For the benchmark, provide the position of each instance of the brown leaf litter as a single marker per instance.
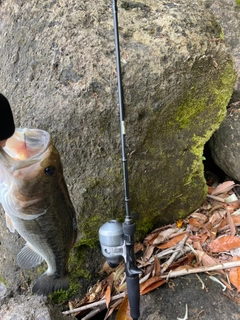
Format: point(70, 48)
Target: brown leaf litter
point(207, 240)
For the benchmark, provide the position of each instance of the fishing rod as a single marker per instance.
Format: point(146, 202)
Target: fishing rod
point(117, 239)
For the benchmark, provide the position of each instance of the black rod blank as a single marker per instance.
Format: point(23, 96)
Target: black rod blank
point(121, 110)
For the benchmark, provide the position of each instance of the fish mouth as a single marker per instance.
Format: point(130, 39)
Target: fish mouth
point(24, 148)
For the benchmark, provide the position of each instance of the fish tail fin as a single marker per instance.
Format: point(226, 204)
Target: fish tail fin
point(47, 284)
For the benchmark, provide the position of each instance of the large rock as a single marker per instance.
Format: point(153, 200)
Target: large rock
point(58, 71)
point(225, 143)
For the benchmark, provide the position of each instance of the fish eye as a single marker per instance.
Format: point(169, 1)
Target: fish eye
point(49, 171)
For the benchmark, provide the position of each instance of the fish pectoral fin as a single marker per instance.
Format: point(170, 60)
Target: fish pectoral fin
point(9, 223)
point(28, 258)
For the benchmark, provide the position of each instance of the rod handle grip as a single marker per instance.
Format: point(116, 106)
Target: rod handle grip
point(133, 295)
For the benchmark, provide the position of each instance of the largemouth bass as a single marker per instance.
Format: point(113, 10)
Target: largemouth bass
point(36, 202)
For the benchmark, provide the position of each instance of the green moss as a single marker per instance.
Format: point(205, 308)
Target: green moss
point(40, 269)
point(222, 97)
point(59, 297)
point(77, 272)
point(143, 227)
point(221, 36)
point(125, 5)
point(189, 110)
point(237, 2)
point(63, 296)
point(3, 280)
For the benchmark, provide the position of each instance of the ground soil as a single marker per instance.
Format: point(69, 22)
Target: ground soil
point(169, 301)
point(203, 304)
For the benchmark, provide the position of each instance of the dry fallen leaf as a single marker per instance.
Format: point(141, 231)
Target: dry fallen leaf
point(205, 259)
point(109, 289)
point(197, 245)
point(183, 263)
point(225, 243)
point(236, 220)
point(231, 224)
point(151, 284)
point(157, 266)
point(218, 213)
point(234, 275)
point(148, 240)
point(199, 216)
point(232, 206)
point(223, 187)
point(113, 308)
point(108, 295)
point(164, 235)
point(203, 238)
point(197, 219)
point(148, 253)
point(124, 310)
point(172, 242)
point(138, 246)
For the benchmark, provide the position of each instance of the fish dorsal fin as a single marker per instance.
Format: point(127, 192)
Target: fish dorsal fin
point(28, 258)
point(9, 223)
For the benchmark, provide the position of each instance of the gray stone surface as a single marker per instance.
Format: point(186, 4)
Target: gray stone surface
point(30, 308)
point(3, 291)
point(227, 12)
point(225, 143)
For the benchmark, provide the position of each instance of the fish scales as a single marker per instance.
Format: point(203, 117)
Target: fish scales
point(35, 198)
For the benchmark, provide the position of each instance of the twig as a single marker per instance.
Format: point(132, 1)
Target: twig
point(227, 285)
point(200, 313)
point(186, 314)
point(203, 284)
point(216, 198)
point(166, 252)
point(173, 256)
point(163, 253)
point(183, 272)
point(168, 276)
point(184, 250)
point(219, 206)
point(145, 278)
point(231, 224)
point(92, 313)
point(218, 281)
point(94, 304)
